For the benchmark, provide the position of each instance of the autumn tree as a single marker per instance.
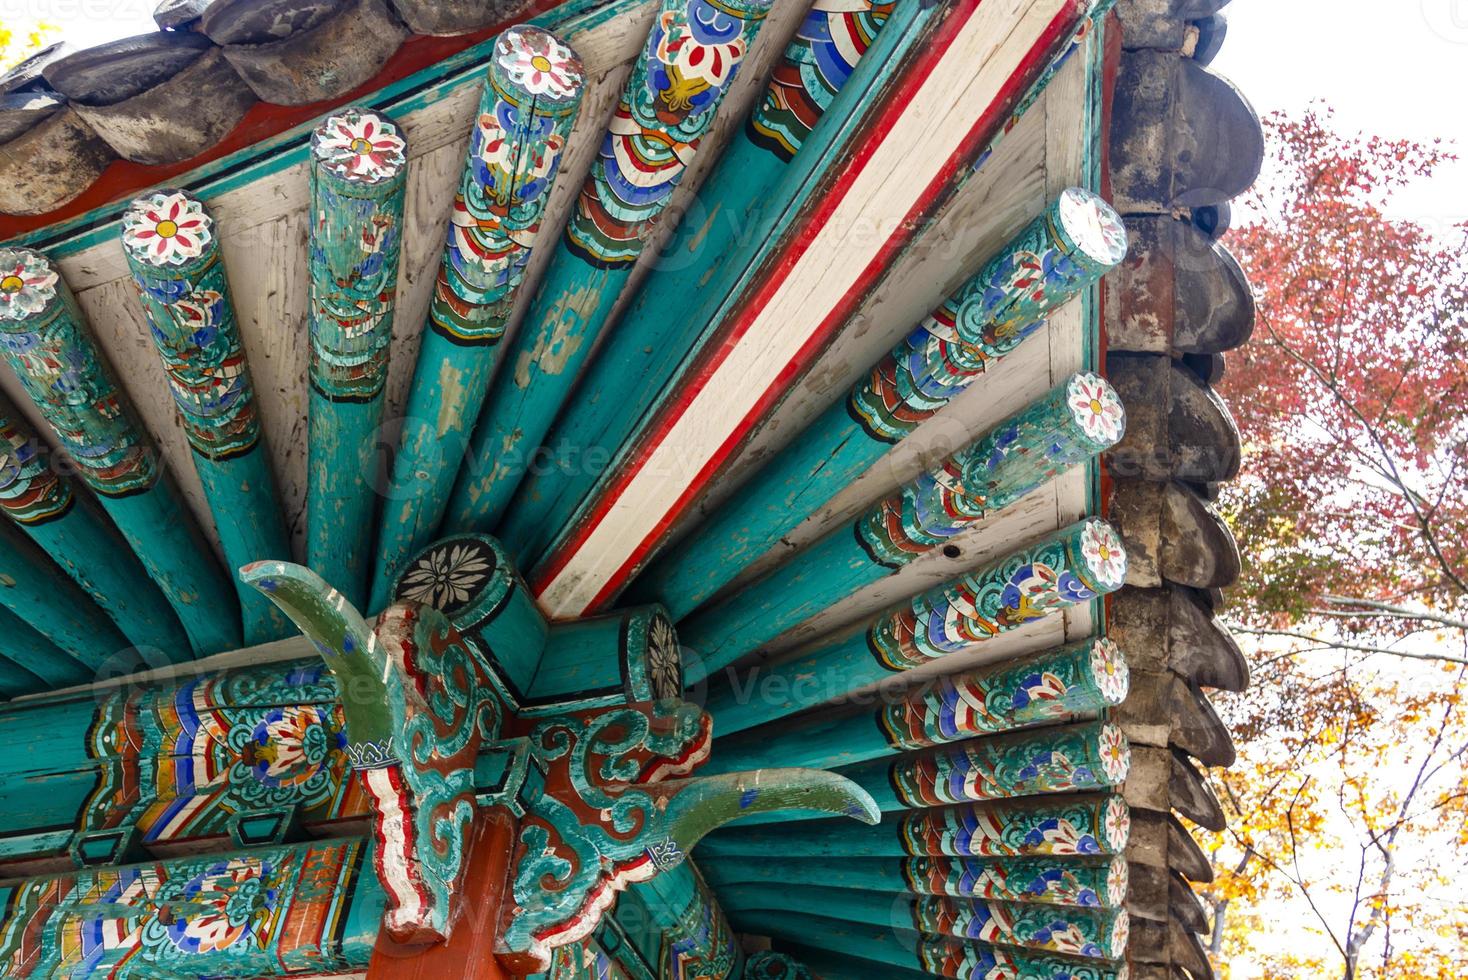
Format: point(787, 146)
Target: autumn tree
point(1351, 798)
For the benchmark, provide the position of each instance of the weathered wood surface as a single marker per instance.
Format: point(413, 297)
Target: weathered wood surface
point(39, 663)
point(40, 593)
point(1053, 686)
point(1067, 568)
point(300, 909)
point(1057, 256)
point(679, 927)
point(1074, 423)
point(654, 136)
point(530, 100)
point(359, 167)
point(1086, 825)
point(1069, 931)
point(67, 524)
point(1066, 881)
point(925, 954)
point(1035, 762)
point(824, 277)
point(54, 355)
point(171, 243)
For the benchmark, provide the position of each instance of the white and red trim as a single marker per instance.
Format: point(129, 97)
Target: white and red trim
point(953, 100)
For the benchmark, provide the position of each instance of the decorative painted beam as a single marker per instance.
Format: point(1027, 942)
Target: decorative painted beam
point(1053, 686)
point(264, 748)
point(623, 657)
point(1066, 826)
point(39, 593)
point(1072, 566)
point(769, 313)
point(1066, 930)
point(1076, 241)
point(418, 706)
point(1079, 419)
point(305, 909)
point(1038, 762)
point(680, 927)
point(172, 247)
point(69, 526)
point(677, 84)
point(933, 955)
point(471, 580)
point(1082, 882)
point(359, 170)
point(611, 815)
point(531, 97)
point(46, 341)
point(543, 669)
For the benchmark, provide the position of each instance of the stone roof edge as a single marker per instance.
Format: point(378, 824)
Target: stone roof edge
point(1182, 143)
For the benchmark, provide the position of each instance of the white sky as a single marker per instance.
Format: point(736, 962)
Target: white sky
point(1396, 68)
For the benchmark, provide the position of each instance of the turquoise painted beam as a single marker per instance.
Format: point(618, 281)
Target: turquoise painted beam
point(1053, 686)
point(1083, 882)
point(42, 595)
point(45, 339)
point(38, 664)
point(679, 925)
point(1072, 566)
point(1075, 422)
point(1060, 826)
point(933, 955)
point(619, 658)
point(531, 97)
point(359, 171)
point(69, 526)
point(644, 352)
point(1035, 762)
point(270, 911)
point(1064, 251)
point(172, 246)
point(690, 60)
point(1065, 930)
point(471, 579)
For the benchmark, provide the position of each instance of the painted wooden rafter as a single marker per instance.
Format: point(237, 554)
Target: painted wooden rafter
point(774, 311)
point(1079, 419)
point(1048, 687)
point(1055, 257)
point(48, 344)
point(172, 247)
point(63, 520)
point(1082, 882)
point(531, 97)
point(1072, 566)
point(359, 169)
point(1095, 934)
point(669, 102)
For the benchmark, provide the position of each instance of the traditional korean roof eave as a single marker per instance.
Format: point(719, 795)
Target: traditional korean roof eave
point(1158, 325)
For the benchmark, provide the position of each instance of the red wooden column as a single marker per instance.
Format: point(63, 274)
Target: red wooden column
point(469, 953)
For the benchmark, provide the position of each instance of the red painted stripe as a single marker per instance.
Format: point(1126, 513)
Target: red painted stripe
point(1057, 32)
